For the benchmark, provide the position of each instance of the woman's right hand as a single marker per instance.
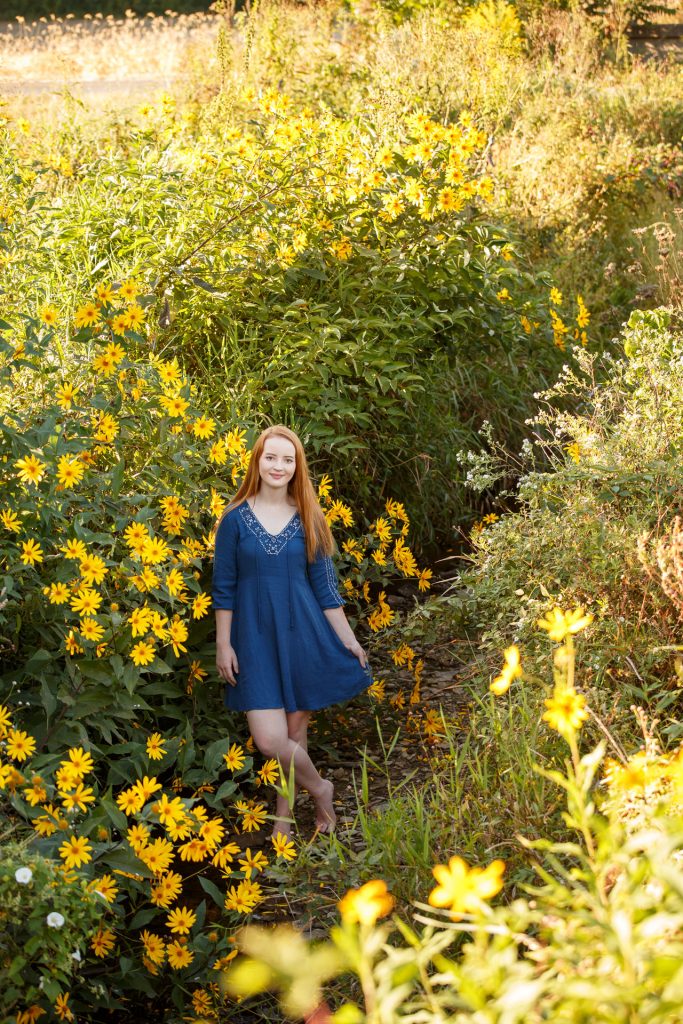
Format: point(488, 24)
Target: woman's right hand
point(226, 663)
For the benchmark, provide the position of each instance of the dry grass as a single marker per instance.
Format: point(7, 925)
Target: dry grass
point(42, 55)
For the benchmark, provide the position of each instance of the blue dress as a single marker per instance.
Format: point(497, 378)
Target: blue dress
point(288, 653)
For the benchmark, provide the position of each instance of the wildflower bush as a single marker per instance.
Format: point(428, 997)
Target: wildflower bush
point(46, 919)
point(115, 750)
point(597, 935)
point(606, 475)
point(343, 272)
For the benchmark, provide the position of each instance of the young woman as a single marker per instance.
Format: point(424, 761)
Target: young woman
point(283, 644)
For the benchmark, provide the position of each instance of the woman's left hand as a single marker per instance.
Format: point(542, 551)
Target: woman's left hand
point(355, 648)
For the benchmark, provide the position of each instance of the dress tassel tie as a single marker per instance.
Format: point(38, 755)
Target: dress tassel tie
point(258, 600)
point(289, 590)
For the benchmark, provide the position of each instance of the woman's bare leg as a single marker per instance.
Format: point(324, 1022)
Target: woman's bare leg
point(297, 730)
point(271, 735)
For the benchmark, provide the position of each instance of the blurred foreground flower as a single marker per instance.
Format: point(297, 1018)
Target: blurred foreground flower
point(559, 624)
point(462, 888)
point(566, 710)
point(367, 904)
point(511, 670)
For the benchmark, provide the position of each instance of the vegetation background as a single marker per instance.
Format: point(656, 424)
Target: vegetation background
point(445, 243)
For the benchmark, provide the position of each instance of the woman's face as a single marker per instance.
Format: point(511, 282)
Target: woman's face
point(277, 464)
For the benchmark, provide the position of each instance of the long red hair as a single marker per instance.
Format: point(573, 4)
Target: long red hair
point(319, 538)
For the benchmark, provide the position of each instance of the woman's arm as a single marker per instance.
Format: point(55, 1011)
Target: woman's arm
point(224, 595)
point(337, 619)
point(226, 659)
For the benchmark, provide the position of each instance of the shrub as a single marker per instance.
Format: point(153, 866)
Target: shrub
point(615, 474)
point(47, 918)
point(306, 267)
point(116, 753)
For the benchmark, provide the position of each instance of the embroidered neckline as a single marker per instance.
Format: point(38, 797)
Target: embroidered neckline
point(272, 543)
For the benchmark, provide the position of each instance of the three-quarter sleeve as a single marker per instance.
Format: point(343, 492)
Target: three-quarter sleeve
point(323, 578)
point(225, 564)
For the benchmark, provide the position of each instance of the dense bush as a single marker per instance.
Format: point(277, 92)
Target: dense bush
point(305, 268)
point(116, 754)
point(577, 535)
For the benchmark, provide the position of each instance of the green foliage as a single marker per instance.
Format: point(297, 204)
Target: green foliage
point(596, 935)
point(306, 270)
point(575, 540)
point(113, 736)
point(46, 922)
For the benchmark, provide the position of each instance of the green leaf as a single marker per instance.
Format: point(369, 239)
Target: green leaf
point(212, 890)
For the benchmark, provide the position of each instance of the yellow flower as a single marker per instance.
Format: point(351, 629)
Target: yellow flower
point(200, 605)
point(240, 898)
point(503, 295)
point(106, 886)
point(31, 469)
point(145, 788)
point(91, 630)
point(204, 427)
point(423, 579)
point(92, 569)
point(462, 888)
point(62, 1008)
point(155, 747)
point(556, 296)
point(180, 920)
point(143, 653)
point(118, 325)
point(74, 549)
point(104, 364)
point(270, 771)
point(154, 550)
point(175, 583)
point(573, 450)
point(102, 942)
point(157, 855)
point(253, 818)
point(283, 846)
point(86, 601)
point(511, 670)
point(174, 405)
point(566, 710)
point(252, 862)
point(559, 624)
point(367, 904)
point(70, 471)
point(449, 200)
point(377, 690)
point(87, 315)
point(179, 956)
point(104, 294)
point(130, 801)
point(75, 851)
point(48, 314)
point(129, 290)
point(31, 552)
point(10, 520)
point(20, 745)
point(155, 948)
point(79, 798)
point(234, 759)
point(178, 633)
point(135, 317)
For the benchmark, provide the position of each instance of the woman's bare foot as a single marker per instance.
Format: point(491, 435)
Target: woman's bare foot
point(282, 826)
point(325, 817)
